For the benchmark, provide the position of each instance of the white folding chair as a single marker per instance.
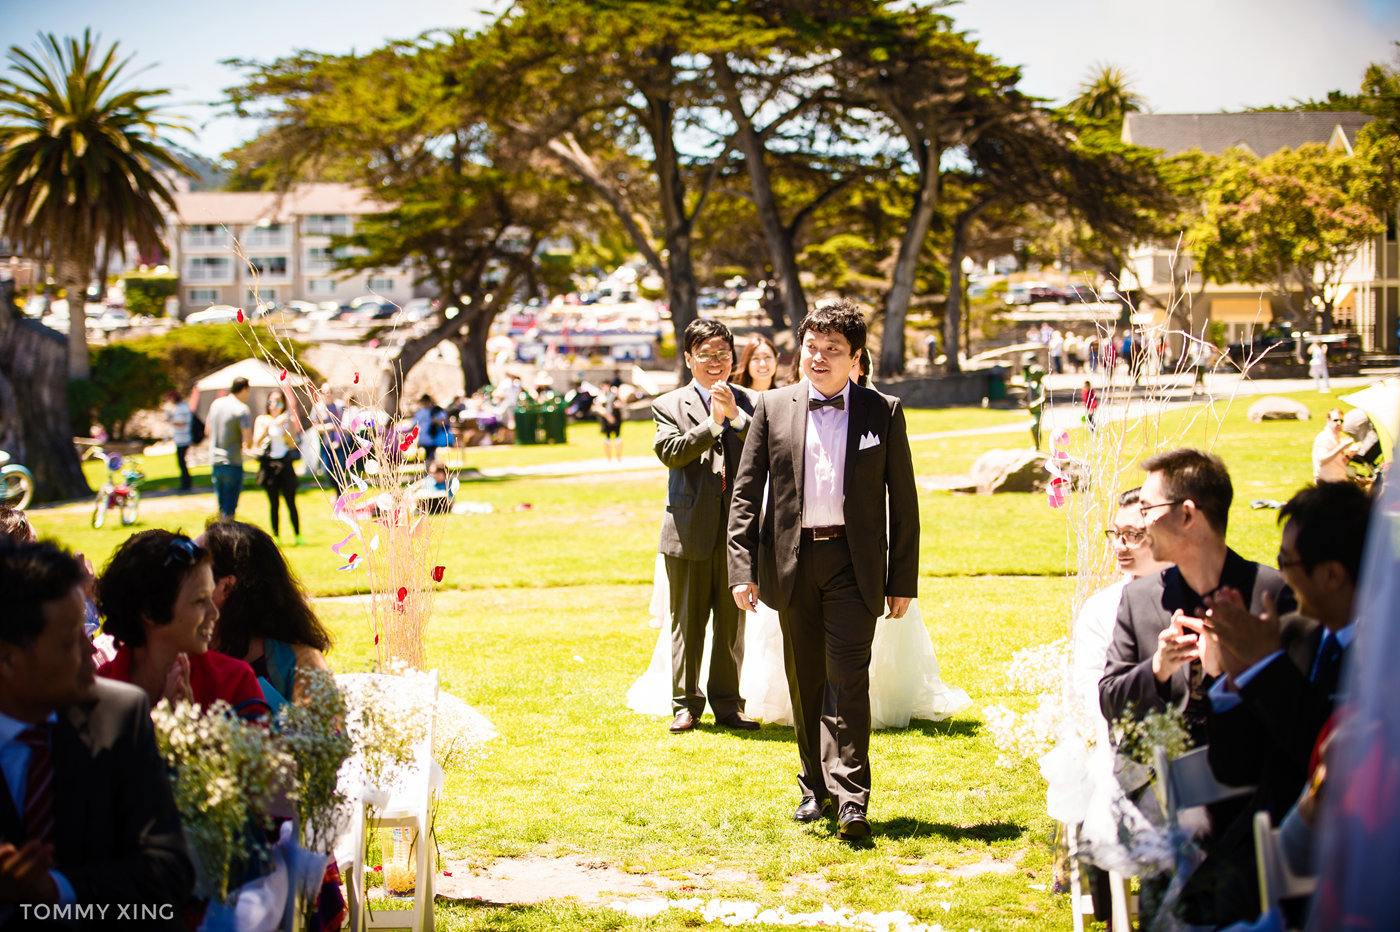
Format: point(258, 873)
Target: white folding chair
point(409, 806)
point(1187, 781)
point(1123, 905)
point(1276, 880)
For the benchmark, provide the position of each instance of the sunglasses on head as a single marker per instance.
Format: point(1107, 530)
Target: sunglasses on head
point(182, 550)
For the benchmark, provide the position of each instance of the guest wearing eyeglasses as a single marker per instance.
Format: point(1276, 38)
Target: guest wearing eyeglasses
point(700, 431)
point(1158, 656)
point(156, 596)
point(1332, 450)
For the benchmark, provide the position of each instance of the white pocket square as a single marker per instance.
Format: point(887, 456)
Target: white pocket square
point(868, 441)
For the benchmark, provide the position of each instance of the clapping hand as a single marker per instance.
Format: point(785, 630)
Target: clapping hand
point(24, 873)
point(1176, 646)
point(1246, 639)
point(177, 681)
point(722, 403)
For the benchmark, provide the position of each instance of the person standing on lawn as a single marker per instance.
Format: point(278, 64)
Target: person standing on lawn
point(700, 430)
point(826, 470)
point(230, 431)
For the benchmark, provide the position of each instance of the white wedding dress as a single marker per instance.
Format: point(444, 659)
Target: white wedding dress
point(904, 680)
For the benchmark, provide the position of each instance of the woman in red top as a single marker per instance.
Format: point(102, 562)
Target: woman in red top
point(156, 596)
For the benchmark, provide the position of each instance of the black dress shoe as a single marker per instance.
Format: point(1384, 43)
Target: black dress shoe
point(738, 721)
point(683, 721)
point(853, 824)
point(811, 809)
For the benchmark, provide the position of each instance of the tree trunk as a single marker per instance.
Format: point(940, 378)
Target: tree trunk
point(680, 267)
point(902, 286)
point(34, 425)
point(781, 250)
point(953, 310)
point(471, 349)
point(411, 354)
point(72, 276)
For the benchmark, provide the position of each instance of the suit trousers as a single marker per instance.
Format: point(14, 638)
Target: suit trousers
point(698, 589)
point(827, 631)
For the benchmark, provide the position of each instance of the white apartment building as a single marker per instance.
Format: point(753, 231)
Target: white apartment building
point(246, 247)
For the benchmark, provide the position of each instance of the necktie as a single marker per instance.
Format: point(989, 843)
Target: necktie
point(1327, 670)
point(38, 791)
point(839, 403)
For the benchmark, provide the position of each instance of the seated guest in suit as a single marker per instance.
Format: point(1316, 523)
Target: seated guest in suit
point(1155, 656)
point(1281, 673)
point(86, 816)
point(157, 598)
point(264, 616)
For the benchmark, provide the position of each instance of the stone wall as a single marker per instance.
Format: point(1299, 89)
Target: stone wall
point(962, 388)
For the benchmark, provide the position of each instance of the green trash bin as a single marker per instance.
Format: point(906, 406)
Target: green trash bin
point(527, 420)
point(554, 420)
point(996, 384)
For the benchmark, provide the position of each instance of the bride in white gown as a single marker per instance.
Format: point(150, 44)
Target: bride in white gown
point(904, 679)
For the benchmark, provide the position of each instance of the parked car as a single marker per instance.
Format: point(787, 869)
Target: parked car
point(113, 318)
point(214, 314)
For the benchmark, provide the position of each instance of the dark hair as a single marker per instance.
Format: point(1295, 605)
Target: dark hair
point(1130, 497)
point(864, 365)
point(239, 384)
point(741, 371)
point(142, 580)
point(1331, 518)
point(837, 317)
point(30, 575)
point(703, 328)
point(266, 600)
point(15, 526)
point(1198, 476)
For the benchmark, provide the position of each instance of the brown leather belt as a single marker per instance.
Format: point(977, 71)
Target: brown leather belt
point(830, 532)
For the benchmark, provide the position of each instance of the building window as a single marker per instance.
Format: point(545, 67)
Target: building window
point(272, 266)
point(320, 286)
point(203, 296)
point(207, 268)
point(1390, 228)
point(328, 225)
point(380, 285)
point(205, 236)
point(257, 296)
point(318, 258)
point(268, 235)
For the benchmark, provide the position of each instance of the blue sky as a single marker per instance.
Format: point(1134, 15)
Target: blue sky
point(1186, 56)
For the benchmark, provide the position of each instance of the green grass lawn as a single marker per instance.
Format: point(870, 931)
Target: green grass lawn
point(540, 623)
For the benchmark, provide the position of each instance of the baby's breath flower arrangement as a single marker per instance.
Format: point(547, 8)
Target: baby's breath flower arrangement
point(1135, 736)
point(224, 773)
point(315, 732)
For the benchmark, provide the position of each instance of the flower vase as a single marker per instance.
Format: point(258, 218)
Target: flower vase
point(400, 870)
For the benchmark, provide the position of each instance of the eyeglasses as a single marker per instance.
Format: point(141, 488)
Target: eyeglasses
point(1132, 536)
point(708, 358)
point(182, 550)
point(1144, 509)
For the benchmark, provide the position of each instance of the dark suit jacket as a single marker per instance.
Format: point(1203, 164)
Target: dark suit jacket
point(1146, 609)
point(1267, 739)
point(879, 479)
point(696, 501)
point(116, 829)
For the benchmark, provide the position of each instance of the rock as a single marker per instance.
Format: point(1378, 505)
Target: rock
point(1022, 471)
point(1273, 408)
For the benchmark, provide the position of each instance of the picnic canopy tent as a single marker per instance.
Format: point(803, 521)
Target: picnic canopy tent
point(262, 378)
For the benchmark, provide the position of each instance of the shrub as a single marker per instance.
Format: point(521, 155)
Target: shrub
point(146, 292)
point(124, 381)
point(186, 353)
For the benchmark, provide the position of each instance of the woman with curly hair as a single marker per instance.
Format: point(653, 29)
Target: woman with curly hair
point(156, 596)
point(264, 615)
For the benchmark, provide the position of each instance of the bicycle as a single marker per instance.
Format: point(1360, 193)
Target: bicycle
point(16, 484)
point(123, 497)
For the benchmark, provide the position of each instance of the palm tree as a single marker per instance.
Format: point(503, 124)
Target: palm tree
point(82, 165)
point(1107, 94)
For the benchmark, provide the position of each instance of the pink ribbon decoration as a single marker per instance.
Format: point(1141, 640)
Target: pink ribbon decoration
point(359, 454)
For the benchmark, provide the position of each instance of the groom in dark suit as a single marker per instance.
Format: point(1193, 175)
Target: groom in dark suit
point(700, 429)
point(835, 459)
point(88, 826)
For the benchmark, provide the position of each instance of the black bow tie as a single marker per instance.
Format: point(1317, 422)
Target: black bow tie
point(839, 403)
